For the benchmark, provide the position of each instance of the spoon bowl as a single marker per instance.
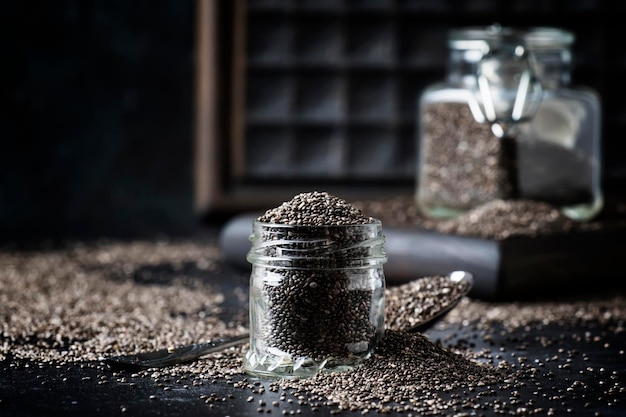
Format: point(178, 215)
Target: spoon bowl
point(416, 308)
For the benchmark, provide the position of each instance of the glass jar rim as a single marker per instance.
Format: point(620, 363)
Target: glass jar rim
point(332, 246)
point(541, 37)
point(538, 37)
point(477, 37)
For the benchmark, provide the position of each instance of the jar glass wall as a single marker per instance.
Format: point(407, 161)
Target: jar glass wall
point(316, 297)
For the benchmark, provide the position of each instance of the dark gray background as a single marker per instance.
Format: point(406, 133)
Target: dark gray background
point(97, 122)
point(97, 108)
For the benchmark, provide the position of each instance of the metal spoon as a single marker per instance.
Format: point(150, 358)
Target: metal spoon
point(173, 356)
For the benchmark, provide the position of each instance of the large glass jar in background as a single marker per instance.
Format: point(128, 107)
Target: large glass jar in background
point(506, 124)
point(316, 297)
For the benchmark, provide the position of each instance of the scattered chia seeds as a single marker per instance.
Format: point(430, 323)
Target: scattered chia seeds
point(85, 301)
point(64, 308)
point(317, 287)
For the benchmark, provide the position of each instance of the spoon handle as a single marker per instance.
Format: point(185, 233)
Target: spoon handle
point(173, 356)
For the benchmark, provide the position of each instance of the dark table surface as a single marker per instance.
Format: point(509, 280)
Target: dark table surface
point(576, 351)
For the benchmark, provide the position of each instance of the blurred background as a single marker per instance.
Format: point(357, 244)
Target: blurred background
point(141, 118)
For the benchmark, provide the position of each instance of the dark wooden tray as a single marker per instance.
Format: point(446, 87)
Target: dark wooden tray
point(515, 268)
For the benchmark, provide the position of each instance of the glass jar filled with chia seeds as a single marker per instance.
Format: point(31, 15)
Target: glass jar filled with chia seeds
point(316, 296)
point(506, 124)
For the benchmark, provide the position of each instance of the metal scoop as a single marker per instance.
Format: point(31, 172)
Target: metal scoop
point(460, 283)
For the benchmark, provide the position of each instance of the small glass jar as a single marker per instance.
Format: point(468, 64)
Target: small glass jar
point(317, 297)
point(507, 125)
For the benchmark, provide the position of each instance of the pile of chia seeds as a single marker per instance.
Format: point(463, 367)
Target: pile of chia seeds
point(497, 219)
point(408, 373)
point(316, 209)
point(417, 301)
point(324, 306)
